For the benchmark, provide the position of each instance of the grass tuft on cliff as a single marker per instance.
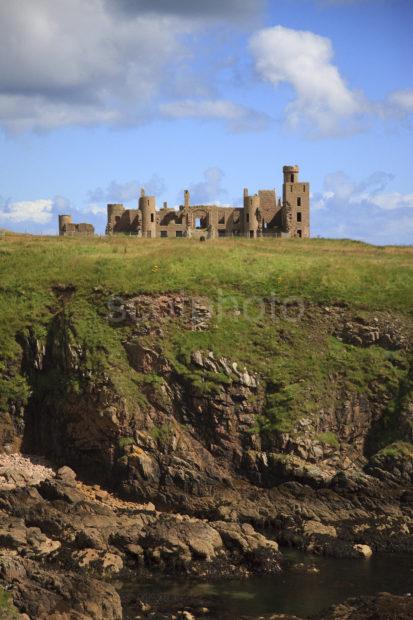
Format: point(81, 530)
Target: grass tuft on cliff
point(7, 610)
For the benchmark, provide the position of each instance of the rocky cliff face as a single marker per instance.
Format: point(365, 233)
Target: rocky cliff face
point(203, 421)
point(202, 434)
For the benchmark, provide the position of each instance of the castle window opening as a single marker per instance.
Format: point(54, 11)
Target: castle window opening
point(152, 217)
point(198, 223)
point(221, 219)
point(298, 201)
point(292, 178)
point(299, 233)
point(251, 234)
point(164, 233)
point(303, 188)
point(179, 233)
point(291, 188)
point(248, 217)
point(299, 217)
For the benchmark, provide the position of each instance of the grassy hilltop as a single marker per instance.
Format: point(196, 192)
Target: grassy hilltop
point(236, 275)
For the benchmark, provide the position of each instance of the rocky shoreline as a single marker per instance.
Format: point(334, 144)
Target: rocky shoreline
point(62, 542)
point(66, 546)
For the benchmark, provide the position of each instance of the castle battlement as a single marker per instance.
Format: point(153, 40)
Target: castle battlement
point(261, 215)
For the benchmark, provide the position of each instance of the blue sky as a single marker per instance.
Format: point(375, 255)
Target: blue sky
point(99, 97)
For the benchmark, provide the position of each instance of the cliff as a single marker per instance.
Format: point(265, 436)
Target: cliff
point(265, 385)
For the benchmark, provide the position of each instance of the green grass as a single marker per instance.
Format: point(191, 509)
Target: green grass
point(125, 441)
point(329, 439)
point(7, 610)
point(295, 361)
point(161, 434)
point(398, 448)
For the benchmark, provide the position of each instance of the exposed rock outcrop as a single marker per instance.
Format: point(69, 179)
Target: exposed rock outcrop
point(192, 433)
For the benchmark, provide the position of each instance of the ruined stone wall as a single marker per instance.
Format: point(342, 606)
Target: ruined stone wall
point(270, 209)
point(68, 229)
point(196, 220)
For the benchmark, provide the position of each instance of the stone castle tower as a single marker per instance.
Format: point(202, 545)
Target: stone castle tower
point(296, 201)
point(261, 215)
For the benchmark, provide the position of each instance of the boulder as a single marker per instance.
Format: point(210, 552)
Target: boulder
point(66, 474)
point(257, 551)
point(60, 490)
point(363, 550)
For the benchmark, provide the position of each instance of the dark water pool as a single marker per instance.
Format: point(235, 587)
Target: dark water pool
point(308, 585)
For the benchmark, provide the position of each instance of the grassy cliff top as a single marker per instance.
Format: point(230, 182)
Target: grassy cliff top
point(298, 356)
point(319, 270)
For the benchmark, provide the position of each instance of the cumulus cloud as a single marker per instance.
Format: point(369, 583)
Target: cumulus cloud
point(84, 62)
point(74, 62)
point(31, 211)
point(210, 189)
point(238, 117)
point(25, 112)
point(99, 197)
point(40, 216)
point(126, 62)
point(394, 200)
point(397, 104)
point(402, 99)
point(323, 103)
point(363, 210)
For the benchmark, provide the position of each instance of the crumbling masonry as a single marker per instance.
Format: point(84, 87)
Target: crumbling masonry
point(260, 216)
point(68, 229)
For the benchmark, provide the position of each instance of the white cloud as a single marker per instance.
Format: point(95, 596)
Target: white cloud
point(363, 210)
point(76, 62)
point(85, 62)
point(239, 118)
point(124, 62)
point(99, 197)
point(41, 216)
point(96, 208)
point(323, 102)
point(210, 189)
point(25, 112)
point(393, 201)
point(398, 103)
point(33, 211)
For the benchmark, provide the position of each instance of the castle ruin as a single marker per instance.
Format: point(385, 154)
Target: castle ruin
point(68, 229)
point(261, 215)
